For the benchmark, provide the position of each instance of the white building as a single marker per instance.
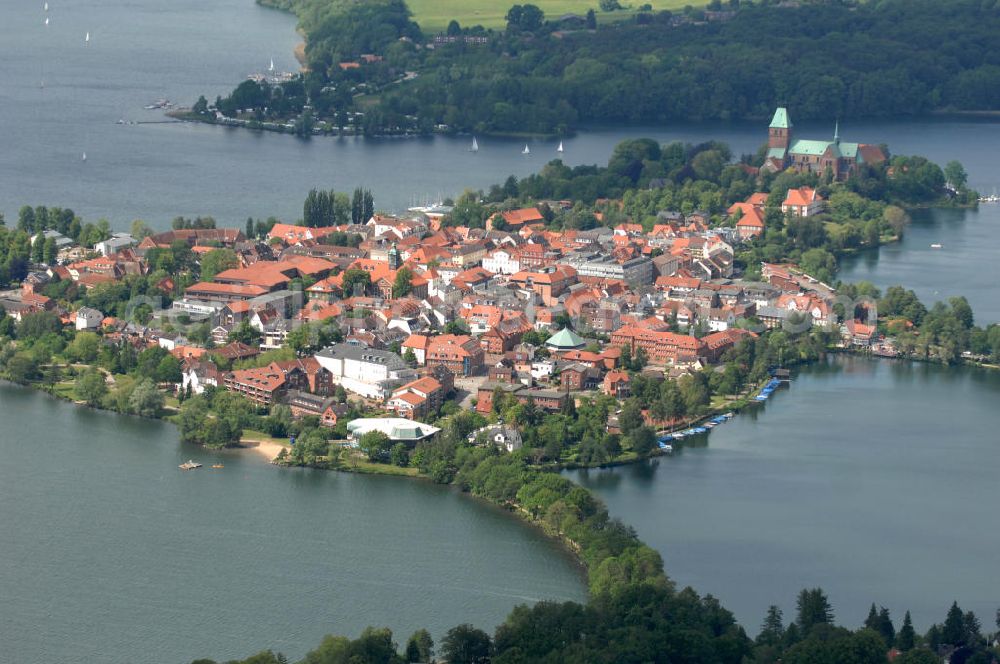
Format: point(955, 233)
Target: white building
point(369, 372)
point(62, 242)
point(88, 319)
point(542, 369)
point(115, 243)
point(502, 436)
point(396, 428)
point(501, 262)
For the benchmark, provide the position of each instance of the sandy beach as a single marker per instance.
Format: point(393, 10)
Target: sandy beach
point(266, 448)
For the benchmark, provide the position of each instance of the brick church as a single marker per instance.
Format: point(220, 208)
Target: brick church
point(815, 156)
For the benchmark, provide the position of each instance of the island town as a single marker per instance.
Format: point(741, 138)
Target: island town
point(718, 380)
point(379, 332)
point(576, 318)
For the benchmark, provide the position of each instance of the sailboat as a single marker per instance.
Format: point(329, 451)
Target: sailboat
point(46, 20)
point(86, 40)
point(84, 156)
point(525, 150)
point(46, 6)
point(475, 145)
point(560, 148)
point(271, 67)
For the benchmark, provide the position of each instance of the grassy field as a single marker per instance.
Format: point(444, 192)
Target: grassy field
point(434, 15)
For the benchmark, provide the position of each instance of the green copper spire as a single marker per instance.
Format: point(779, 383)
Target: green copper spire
point(780, 119)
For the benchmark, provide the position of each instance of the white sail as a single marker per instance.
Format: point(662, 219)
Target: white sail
point(475, 145)
point(46, 20)
point(46, 6)
point(526, 150)
point(560, 148)
point(87, 38)
point(84, 156)
point(271, 67)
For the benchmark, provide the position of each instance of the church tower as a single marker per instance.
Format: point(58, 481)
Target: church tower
point(779, 134)
point(394, 258)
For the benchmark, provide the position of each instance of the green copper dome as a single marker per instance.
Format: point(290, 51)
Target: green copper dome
point(565, 339)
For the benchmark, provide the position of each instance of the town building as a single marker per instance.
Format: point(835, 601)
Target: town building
point(369, 372)
point(461, 354)
point(802, 202)
point(397, 429)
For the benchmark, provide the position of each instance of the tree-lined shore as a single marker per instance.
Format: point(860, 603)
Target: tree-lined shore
point(371, 69)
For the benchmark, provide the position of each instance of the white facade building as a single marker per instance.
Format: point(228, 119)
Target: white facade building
point(501, 262)
point(369, 372)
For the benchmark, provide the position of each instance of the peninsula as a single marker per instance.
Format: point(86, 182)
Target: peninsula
point(375, 68)
point(581, 316)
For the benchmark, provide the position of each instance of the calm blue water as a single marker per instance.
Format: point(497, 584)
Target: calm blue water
point(143, 50)
point(872, 479)
point(110, 553)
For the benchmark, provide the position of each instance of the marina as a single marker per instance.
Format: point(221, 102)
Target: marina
point(665, 440)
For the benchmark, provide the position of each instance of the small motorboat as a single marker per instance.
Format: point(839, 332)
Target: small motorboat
point(189, 465)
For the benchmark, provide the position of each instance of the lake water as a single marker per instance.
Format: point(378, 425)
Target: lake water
point(143, 50)
point(110, 553)
point(869, 479)
point(872, 479)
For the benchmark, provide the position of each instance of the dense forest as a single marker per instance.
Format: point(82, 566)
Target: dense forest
point(823, 60)
point(649, 624)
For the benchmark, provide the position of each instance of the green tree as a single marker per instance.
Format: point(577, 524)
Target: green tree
point(22, 368)
point(85, 347)
point(399, 455)
point(216, 261)
point(631, 417)
point(420, 647)
point(201, 106)
point(955, 174)
point(813, 609)
point(953, 631)
point(772, 630)
point(355, 281)
point(907, 637)
point(376, 445)
point(465, 644)
point(38, 249)
point(642, 440)
point(36, 325)
point(918, 656)
point(145, 400)
point(49, 251)
point(140, 229)
point(90, 387)
point(168, 370)
point(403, 284)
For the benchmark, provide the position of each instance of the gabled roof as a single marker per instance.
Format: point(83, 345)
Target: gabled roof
point(751, 218)
point(809, 147)
point(522, 216)
point(802, 196)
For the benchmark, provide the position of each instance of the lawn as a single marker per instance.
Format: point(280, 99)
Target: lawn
point(434, 15)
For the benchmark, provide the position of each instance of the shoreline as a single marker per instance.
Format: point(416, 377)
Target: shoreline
point(268, 449)
point(184, 114)
point(265, 448)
